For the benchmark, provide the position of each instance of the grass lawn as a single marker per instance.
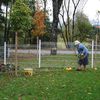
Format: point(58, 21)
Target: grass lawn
point(56, 84)
point(52, 81)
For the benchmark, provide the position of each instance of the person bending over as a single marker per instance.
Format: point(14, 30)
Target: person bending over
point(83, 54)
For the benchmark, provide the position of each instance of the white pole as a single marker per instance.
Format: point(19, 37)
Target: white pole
point(92, 54)
point(39, 53)
point(4, 53)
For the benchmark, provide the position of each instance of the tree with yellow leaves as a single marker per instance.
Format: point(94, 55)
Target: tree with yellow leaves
point(38, 21)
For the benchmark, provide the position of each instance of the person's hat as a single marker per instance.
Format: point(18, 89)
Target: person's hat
point(76, 42)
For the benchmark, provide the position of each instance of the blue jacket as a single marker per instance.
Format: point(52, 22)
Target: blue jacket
point(82, 49)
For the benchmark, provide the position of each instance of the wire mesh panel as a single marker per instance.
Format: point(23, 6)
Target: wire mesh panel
point(62, 55)
point(26, 55)
point(96, 55)
point(66, 56)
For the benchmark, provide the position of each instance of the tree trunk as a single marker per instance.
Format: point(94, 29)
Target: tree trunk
point(5, 34)
point(56, 8)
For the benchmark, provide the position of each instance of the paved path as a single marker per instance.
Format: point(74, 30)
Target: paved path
point(49, 51)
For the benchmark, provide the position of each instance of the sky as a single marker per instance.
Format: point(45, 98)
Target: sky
point(91, 8)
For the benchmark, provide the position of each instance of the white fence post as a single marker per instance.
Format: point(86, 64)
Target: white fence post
point(39, 53)
point(5, 53)
point(92, 61)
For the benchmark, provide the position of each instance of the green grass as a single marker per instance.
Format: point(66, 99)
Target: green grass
point(52, 81)
point(52, 84)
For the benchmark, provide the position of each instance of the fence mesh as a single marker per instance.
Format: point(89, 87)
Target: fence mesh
point(28, 55)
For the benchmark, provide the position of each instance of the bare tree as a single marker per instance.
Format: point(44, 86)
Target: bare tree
point(67, 14)
point(66, 21)
point(75, 8)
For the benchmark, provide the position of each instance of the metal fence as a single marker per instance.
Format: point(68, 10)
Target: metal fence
point(36, 56)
